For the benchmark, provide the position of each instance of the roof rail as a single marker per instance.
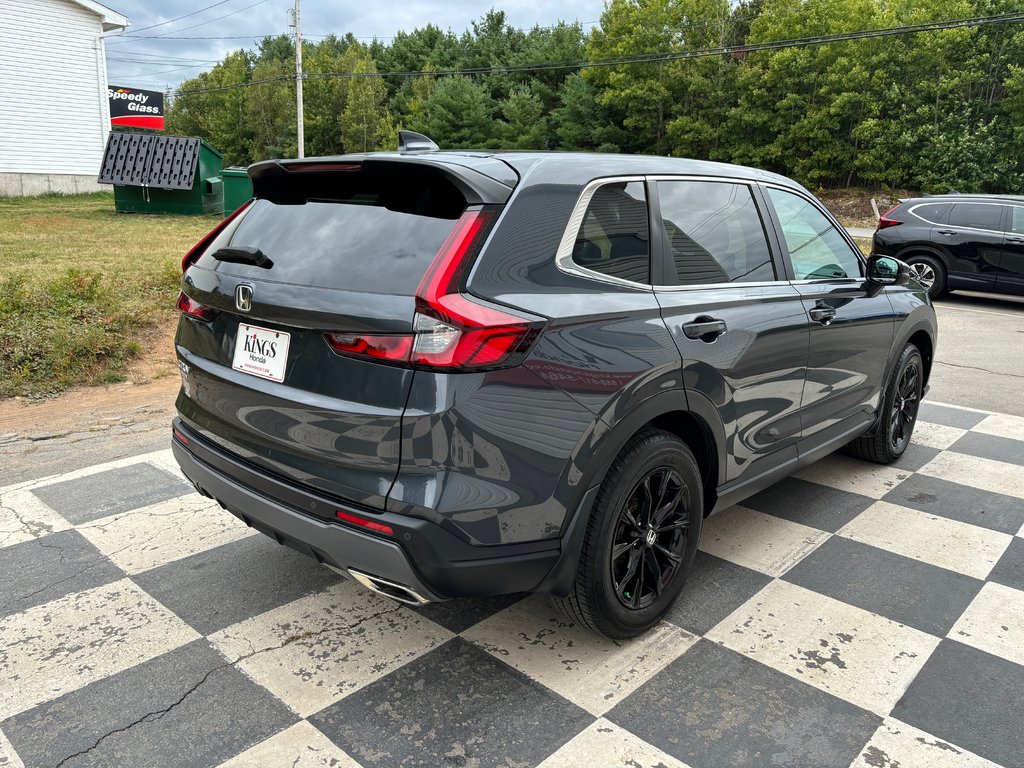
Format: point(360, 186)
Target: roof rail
point(410, 141)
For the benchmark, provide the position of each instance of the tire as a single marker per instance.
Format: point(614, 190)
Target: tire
point(890, 437)
point(605, 598)
point(930, 272)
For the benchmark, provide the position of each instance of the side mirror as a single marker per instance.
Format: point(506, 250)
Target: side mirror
point(885, 270)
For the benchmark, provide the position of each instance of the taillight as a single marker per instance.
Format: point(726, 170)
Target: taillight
point(193, 308)
point(197, 250)
point(884, 221)
point(450, 330)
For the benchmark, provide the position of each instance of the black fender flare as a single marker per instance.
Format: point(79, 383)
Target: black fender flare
point(610, 442)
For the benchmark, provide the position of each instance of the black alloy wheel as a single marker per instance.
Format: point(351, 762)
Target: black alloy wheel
point(641, 537)
point(897, 414)
point(650, 538)
point(903, 412)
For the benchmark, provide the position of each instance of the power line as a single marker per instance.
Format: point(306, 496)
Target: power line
point(694, 53)
point(200, 24)
point(179, 18)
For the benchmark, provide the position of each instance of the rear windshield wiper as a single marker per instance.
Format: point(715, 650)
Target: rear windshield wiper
point(243, 254)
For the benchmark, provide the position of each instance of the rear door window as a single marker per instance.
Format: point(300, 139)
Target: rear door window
point(370, 241)
point(816, 249)
point(614, 238)
point(932, 213)
point(1017, 221)
point(714, 233)
point(976, 216)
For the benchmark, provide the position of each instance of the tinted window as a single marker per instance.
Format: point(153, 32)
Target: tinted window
point(976, 215)
point(352, 245)
point(933, 213)
point(714, 233)
point(1017, 224)
point(816, 250)
point(614, 238)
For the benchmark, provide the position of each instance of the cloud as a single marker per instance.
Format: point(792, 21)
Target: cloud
point(158, 63)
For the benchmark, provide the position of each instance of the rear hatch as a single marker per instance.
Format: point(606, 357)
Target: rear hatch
point(298, 315)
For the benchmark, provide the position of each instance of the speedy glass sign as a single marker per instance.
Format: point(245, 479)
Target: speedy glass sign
point(135, 108)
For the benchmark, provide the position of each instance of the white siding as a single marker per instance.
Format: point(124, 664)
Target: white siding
point(54, 116)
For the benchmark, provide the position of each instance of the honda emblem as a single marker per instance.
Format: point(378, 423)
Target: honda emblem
point(243, 297)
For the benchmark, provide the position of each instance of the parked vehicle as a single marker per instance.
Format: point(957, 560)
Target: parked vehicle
point(968, 242)
point(475, 373)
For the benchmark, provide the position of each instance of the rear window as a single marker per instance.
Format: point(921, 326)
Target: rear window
point(373, 237)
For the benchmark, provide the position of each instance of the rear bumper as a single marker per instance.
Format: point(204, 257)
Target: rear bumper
point(420, 555)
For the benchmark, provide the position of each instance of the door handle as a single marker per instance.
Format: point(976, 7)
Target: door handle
point(707, 329)
point(823, 315)
point(947, 232)
point(1015, 239)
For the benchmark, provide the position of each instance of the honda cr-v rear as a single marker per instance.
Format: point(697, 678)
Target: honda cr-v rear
point(469, 374)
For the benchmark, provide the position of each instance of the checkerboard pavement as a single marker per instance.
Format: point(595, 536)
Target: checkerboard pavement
point(852, 615)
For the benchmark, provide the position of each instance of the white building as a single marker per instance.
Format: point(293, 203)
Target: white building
point(54, 115)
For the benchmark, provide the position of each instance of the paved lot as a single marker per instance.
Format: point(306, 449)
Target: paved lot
point(854, 615)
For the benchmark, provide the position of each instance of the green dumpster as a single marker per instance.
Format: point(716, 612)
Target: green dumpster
point(163, 174)
point(237, 188)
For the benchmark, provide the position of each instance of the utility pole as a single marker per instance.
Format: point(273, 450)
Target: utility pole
point(297, 23)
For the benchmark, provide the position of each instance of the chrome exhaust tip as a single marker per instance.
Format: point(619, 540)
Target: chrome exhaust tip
point(392, 589)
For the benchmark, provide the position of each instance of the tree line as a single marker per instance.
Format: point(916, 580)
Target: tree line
point(933, 111)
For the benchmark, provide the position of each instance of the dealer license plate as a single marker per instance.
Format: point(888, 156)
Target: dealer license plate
point(261, 352)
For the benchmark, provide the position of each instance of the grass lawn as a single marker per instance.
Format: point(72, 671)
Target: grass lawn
point(80, 285)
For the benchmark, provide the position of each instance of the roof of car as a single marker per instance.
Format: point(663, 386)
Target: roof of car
point(573, 167)
point(965, 196)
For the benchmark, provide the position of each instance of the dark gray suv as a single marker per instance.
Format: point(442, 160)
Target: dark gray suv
point(455, 374)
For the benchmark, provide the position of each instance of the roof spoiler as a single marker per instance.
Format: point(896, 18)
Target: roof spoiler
point(410, 141)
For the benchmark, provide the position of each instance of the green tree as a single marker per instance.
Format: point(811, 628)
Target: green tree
point(365, 123)
point(458, 114)
point(524, 126)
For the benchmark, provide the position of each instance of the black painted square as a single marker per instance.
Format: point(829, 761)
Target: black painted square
point(110, 492)
point(959, 502)
point(461, 614)
point(915, 457)
point(233, 582)
point(1010, 568)
point(186, 708)
point(821, 507)
point(949, 417)
point(970, 698)
point(456, 705)
point(713, 707)
point(714, 589)
point(991, 447)
point(43, 569)
point(917, 594)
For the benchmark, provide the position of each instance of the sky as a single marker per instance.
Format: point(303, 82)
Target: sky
point(159, 62)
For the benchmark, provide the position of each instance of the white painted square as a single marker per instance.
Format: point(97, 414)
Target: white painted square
point(8, 757)
point(52, 649)
point(936, 435)
point(766, 543)
point(322, 647)
point(593, 672)
point(898, 745)
point(151, 536)
point(605, 745)
point(950, 544)
point(986, 474)
point(301, 746)
point(1002, 425)
point(24, 517)
point(994, 622)
point(853, 654)
point(854, 475)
